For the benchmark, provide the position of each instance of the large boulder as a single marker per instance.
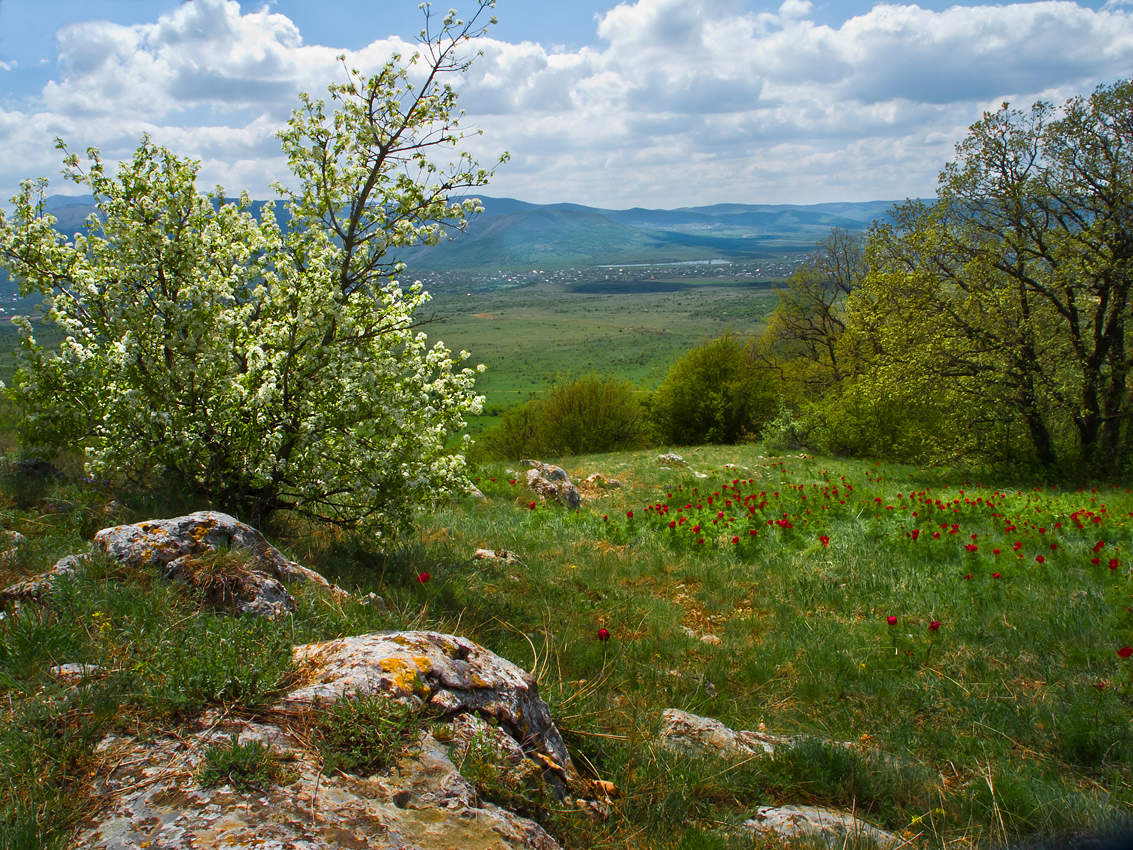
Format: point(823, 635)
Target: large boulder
point(153, 797)
point(228, 559)
point(552, 483)
point(449, 673)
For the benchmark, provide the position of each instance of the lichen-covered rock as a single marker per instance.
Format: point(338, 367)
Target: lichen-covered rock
point(448, 672)
point(832, 827)
point(552, 483)
point(74, 672)
point(671, 459)
point(177, 546)
point(153, 798)
point(691, 733)
point(40, 586)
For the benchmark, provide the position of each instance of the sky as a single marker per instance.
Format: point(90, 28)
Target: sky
point(654, 103)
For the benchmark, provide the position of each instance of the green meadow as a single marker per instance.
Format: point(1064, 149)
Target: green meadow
point(528, 337)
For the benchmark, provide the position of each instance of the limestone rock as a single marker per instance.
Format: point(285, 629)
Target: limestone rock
point(671, 459)
point(600, 481)
point(691, 733)
point(552, 483)
point(501, 555)
point(40, 586)
point(75, 672)
point(832, 827)
point(448, 672)
point(177, 545)
point(154, 798)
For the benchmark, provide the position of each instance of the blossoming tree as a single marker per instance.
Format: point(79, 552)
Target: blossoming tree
point(265, 365)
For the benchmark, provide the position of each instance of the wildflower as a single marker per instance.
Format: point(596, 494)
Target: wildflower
point(995, 575)
point(1040, 559)
point(605, 518)
point(1099, 546)
point(1125, 651)
point(1114, 563)
point(1095, 561)
point(972, 547)
point(934, 626)
point(531, 505)
point(422, 577)
point(891, 620)
point(968, 577)
point(824, 540)
point(735, 540)
point(629, 514)
point(672, 523)
point(603, 634)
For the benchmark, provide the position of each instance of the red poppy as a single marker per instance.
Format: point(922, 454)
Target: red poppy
point(995, 575)
point(1040, 559)
point(629, 514)
point(1114, 563)
point(422, 577)
point(1125, 651)
point(968, 577)
point(531, 505)
point(1095, 561)
point(735, 540)
point(603, 634)
point(934, 626)
point(1099, 546)
point(824, 540)
point(972, 547)
point(891, 620)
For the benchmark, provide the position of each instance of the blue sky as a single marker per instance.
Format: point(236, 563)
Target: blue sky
point(656, 103)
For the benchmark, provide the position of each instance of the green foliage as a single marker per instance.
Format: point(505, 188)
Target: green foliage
point(265, 368)
point(715, 393)
point(250, 766)
point(592, 414)
point(367, 733)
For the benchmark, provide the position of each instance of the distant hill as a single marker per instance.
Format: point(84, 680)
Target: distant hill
point(513, 234)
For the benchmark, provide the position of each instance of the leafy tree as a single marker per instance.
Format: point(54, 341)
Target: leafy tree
point(1010, 296)
point(802, 337)
point(715, 393)
point(264, 367)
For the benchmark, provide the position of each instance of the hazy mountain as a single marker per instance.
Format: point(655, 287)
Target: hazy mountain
point(514, 234)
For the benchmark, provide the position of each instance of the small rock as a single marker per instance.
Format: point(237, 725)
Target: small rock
point(40, 587)
point(552, 483)
point(501, 555)
point(711, 640)
point(476, 493)
point(832, 827)
point(600, 481)
point(690, 733)
point(373, 599)
point(76, 672)
point(671, 459)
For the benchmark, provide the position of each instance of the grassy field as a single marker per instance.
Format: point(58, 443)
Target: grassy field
point(1009, 718)
point(529, 336)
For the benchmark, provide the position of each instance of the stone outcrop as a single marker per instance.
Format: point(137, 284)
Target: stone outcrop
point(692, 734)
point(155, 799)
point(39, 587)
point(552, 484)
point(834, 828)
point(186, 548)
point(502, 556)
point(449, 673)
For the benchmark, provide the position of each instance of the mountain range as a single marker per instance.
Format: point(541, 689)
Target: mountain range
point(512, 234)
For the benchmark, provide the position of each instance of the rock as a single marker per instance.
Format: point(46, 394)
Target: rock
point(476, 493)
point(152, 797)
point(75, 672)
point(11, 542)
point(552, 483)
point(40, 587)
point(501, 555)
point(251, 581)
point(690, 733)
point(832, 827)
point(444, 671)
point(671, 459)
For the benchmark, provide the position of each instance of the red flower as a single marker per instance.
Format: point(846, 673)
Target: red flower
point(605, 518)
point(995, 575)
point(1099, 546)
point(968, 577)
point(603, 634)
point(972, 547)
point(934, 626)
point(531, 505)
point(753, 532)
point(824, 540)
point(1114, 563)
point(672, 523)
point(629, 514)
point(995, 551)
point(512, 481)
point(735, 540)
point(422, 577)
point(1095, 561)
point(891, 620)
point(1125, 651)
point(1040, 559)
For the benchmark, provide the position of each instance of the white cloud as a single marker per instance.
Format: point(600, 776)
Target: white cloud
point(7, 66)
point(683, 101)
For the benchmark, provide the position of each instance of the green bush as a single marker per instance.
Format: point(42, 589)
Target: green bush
point(715, 393)
point(597, 413)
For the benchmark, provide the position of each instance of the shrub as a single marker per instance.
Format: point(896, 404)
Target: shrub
point(715, 393)
point(367, 733)
point(597, 413)
point(248, 766)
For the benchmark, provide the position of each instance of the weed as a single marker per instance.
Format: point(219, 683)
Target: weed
point(249, 766)
point(367, 733)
